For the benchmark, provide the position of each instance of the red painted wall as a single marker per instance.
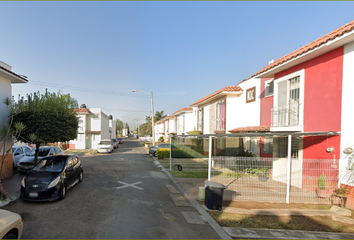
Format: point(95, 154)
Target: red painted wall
point(323, 88)
point(266, 105)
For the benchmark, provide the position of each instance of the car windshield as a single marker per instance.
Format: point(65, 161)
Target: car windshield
point(120, 138)
point(42, 152)
point(49, 165)
point(105, 143)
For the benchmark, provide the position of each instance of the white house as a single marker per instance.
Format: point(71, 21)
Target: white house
point(217, 112)
point(184, 120)
point(94, 125)
point(7, 78)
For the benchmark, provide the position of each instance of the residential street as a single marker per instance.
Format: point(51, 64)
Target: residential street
point(123, 195)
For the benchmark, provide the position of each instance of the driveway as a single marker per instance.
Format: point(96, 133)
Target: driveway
point(123, 195)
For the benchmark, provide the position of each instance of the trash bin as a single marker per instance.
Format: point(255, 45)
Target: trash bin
point(214, 193)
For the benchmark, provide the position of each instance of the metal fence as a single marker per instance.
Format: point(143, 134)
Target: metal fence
point(242, 165)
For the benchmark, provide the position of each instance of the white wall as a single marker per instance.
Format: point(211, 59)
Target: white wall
point(206, 122)
point(245, 114)
point(347, 130)
point(5, 91)
point(189, 122)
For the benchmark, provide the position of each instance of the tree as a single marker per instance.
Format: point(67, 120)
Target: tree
point(7, 130)
point(145, 128)
point(49, 117)
point(119, 127)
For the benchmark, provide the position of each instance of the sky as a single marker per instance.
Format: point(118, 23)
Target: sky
point(181, 51)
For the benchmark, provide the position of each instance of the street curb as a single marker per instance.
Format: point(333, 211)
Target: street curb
point(205, 216)
point(14, 197)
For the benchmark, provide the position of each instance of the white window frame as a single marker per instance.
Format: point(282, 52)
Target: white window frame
point(301, 75)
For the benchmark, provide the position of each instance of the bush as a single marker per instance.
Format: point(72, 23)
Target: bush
point(163, 153)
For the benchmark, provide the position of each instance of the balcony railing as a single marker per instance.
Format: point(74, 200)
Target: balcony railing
point(286, 116)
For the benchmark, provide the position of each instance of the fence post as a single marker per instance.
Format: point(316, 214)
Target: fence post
point(209, 162)
point(288, 171)
point(170, 153)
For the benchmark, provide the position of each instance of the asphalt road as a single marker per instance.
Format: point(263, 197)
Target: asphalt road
point(123, 195)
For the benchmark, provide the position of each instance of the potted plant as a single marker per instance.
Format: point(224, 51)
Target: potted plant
point(341, 192)
point(321, 190)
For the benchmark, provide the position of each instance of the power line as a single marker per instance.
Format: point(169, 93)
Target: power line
point(88, 89)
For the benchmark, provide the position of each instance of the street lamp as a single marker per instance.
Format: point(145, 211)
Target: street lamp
point(152, 114)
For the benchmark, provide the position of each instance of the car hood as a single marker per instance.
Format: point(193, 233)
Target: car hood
point(7, 217)
point(40, 177)
point(28, 159)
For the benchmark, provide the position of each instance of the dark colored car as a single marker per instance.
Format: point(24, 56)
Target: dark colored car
point(120, 140)
point(153, 149)
point(26, 163)
point(51, 178)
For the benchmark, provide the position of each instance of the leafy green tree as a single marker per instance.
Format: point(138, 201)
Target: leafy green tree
point(145, 128)
point(49, 117)
point(119, 127)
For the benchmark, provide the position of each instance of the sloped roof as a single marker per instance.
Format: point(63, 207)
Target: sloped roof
point(183, 110)
point(227, 89)
point(15, 78)
point(82, 110)
point(312, 45)
point(251, 129)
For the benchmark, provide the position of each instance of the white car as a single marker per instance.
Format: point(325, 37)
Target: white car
point(11, 225)
point(105, 146)
point(18, 152)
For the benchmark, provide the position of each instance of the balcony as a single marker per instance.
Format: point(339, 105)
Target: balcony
point(286, 116)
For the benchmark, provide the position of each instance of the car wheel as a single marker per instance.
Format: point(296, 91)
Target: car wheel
point(63, 192)
point(155, 155)
point(10, 236)
point(81, 176)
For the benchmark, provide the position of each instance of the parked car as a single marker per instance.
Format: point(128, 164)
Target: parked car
point(120, 140)
point(18, 152)
point(50, 179)
point(115, 143)
point(105, 146)
point(11, 225)
point(153, 149)
point(26, 163)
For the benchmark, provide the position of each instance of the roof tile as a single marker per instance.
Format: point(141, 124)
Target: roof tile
point(225, 89)
point(322, 40)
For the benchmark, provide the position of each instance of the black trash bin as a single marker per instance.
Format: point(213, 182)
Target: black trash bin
point(214, 193)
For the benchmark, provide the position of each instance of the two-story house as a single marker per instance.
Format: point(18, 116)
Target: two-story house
point(7, 78)
point(94, 125)
point(309, 92)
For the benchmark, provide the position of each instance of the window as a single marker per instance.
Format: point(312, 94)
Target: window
point(281, 147)
point(269, 88)
point(287, 109)
point(251, 95)
point(200, 120)
point(268, 145)
point(220, 115)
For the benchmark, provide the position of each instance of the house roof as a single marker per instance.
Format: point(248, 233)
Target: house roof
point(349, 27)
point(183, 110)
point(15, 78)
point(82, 110)
point(223, 91)
point(251, 129)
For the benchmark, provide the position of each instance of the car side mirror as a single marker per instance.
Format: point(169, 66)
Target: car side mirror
point(69, 169)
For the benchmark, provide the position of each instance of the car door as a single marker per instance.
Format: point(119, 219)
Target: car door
point(18, 154)
point(70, 172)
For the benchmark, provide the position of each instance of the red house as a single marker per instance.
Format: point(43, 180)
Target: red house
point(309, 93)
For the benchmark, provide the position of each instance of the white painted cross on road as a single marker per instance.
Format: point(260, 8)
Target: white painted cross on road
point(129, 185)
